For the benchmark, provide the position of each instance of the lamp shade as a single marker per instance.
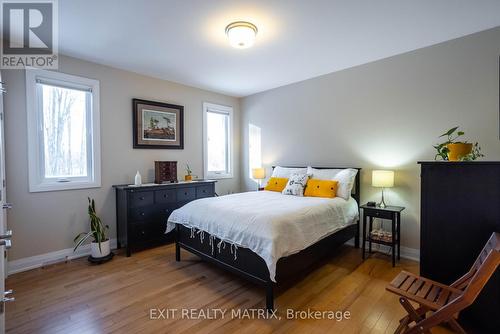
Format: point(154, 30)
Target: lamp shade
point(258, 173)
point(383, 178)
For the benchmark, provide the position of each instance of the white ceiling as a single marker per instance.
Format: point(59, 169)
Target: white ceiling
point(184, 40)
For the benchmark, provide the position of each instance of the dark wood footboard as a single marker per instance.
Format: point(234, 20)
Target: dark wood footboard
point(251, 266)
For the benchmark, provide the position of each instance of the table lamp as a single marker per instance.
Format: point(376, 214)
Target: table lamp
point(383, 179)
point(258, 174)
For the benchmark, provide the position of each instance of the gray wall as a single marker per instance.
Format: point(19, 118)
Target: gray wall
point(384, 114)
point(45, 222)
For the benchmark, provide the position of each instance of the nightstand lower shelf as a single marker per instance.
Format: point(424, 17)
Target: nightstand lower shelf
point(392, 213)
point(380, 242)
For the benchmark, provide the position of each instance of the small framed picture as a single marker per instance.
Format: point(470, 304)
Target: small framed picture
point(158, 125)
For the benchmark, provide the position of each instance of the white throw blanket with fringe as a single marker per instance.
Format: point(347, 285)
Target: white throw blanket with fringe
point(270, 224)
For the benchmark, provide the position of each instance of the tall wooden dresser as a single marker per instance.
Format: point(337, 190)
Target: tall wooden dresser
point(460, 208)
point(142, 212)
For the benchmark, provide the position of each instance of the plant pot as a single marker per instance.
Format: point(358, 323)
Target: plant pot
point(188, 178)
point(458, 150)
point(104, 251)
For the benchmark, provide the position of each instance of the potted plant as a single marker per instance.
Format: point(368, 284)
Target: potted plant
point(99, 247)
point(189, 174)
point(454, 150)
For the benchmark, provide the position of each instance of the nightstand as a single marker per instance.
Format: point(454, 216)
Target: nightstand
point(392, 213)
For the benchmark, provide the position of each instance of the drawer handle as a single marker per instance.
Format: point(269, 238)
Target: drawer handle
point(142, 232)
point(185, 193)
point(165, 196)
point(204, 191)
point(142, 214)
point(141, 198)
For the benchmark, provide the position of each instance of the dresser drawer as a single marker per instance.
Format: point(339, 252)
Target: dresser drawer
point(186, 194)
point(378, 213)
point(204, 191)
point(144, 231)
point(163, 212)
point(139, 232)
point(165, 196)
point(141, 198)
point(142, 213)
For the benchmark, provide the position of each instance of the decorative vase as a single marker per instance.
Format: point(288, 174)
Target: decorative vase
point(138, 179)
point(458, 150)
point(96, 253)
point(188, 177)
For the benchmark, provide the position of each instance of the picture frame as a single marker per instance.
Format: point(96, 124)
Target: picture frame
point(157, 125)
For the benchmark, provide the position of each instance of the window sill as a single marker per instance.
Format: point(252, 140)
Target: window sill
point(35, 188)
point(219, 176)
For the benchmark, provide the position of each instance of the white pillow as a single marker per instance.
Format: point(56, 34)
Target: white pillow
point(296, 184)
point(345, 177)
point(323, 174)
point(287, 171)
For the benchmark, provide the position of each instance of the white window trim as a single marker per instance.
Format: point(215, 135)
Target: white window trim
point(223, 109)
point(36, 180)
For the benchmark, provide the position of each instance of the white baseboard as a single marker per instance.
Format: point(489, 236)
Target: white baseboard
point(41, 260)
point(406, 252)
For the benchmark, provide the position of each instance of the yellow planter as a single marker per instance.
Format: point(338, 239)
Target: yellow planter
point(188, 177)
point(458, 150)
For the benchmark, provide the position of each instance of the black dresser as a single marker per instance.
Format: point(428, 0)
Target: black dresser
point(460, 208)
point(142, 212)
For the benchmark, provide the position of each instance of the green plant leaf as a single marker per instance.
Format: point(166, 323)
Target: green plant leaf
point(449, 132)
point(82, 240)
point(78, 236)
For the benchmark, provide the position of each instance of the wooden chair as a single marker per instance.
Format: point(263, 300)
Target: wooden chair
point(445, 302)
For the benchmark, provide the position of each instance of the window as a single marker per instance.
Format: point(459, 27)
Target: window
point(63, 131)
point(254, 148)
point(217, 145)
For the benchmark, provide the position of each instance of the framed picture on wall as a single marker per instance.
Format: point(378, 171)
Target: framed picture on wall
point(158, 125)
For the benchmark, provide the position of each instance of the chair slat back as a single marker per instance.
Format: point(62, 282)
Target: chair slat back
point(483, 268)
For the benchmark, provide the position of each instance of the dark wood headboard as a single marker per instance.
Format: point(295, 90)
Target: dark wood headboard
point(356, 190)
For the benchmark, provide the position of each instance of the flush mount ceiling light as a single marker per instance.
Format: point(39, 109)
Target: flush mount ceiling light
point(241, 34)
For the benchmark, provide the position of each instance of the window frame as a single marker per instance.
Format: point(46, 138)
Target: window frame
point(228, 110)
point(36, 164)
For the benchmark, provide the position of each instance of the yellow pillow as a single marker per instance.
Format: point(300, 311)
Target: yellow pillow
point(321, 188)
point(276, 184)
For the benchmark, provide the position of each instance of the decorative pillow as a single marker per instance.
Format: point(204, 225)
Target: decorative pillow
point(345, 177)
point(296, 184)
point(279, 171)
point(276, 184)
point(321, 188)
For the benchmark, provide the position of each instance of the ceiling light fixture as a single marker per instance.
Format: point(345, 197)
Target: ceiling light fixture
point(241, 34)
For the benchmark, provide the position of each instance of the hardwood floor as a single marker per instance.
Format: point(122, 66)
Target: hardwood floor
point(117, 297)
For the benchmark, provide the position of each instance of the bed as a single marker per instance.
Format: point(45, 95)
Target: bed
point(265, 236)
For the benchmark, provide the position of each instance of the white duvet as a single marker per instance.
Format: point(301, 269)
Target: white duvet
point(270, 224)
